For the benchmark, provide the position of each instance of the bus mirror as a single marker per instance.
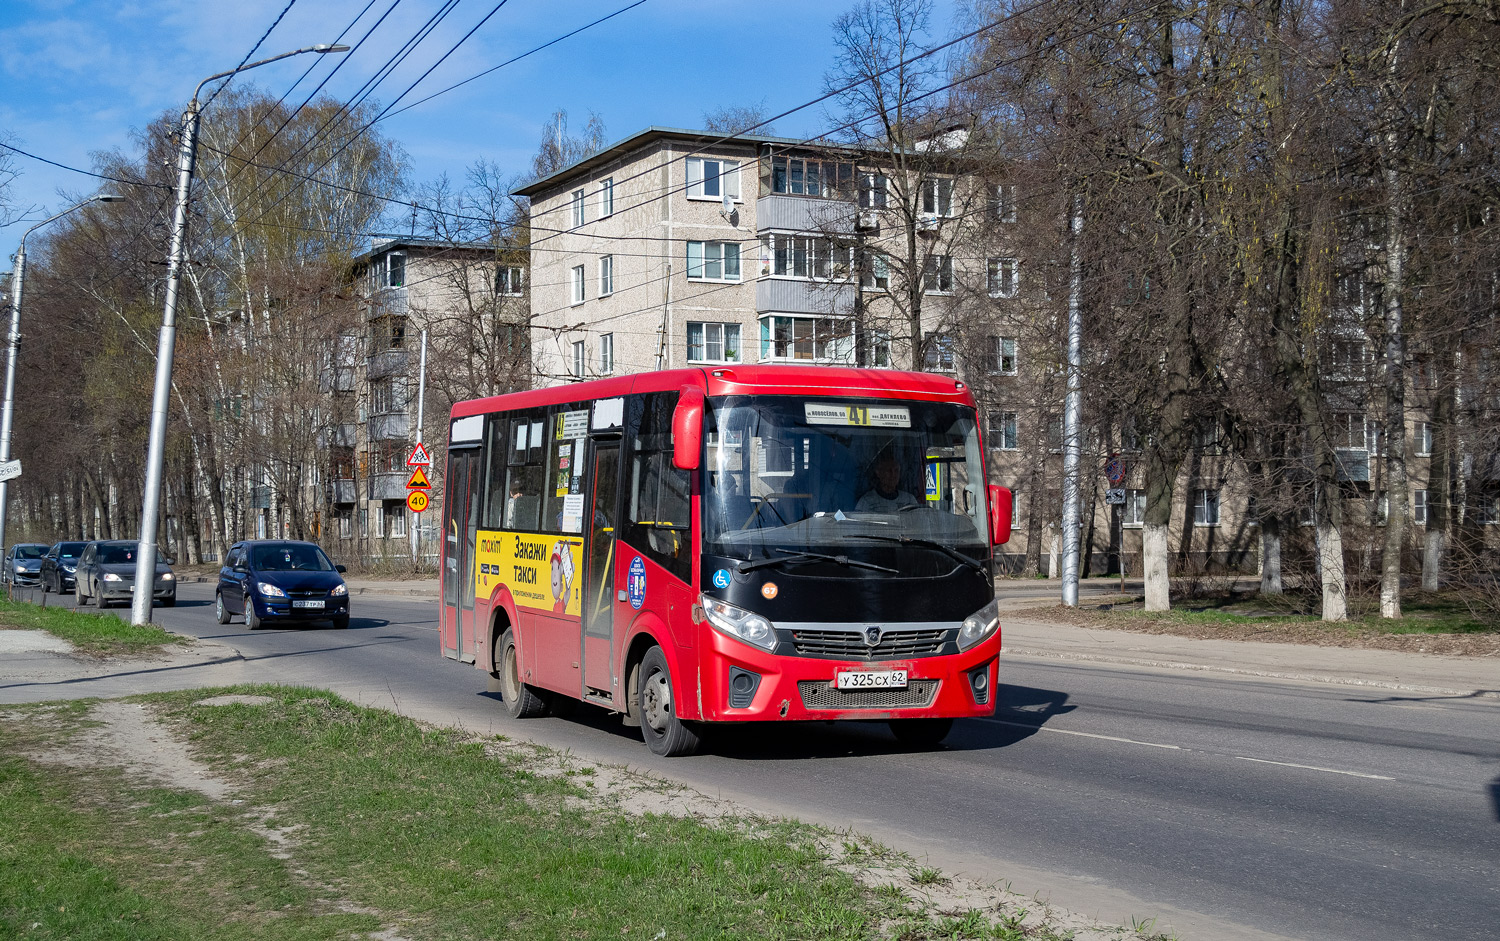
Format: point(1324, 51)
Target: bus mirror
point(1000, 506)
point(687, 430)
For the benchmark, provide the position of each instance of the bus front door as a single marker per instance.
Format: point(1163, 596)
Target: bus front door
point(599, 577)
point(460, 520)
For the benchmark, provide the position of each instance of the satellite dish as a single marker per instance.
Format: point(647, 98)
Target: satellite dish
point(728, 202)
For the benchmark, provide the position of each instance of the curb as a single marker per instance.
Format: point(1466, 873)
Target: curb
point(1267, 674)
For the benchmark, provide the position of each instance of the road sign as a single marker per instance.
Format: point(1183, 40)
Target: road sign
point(419, 457)
point(416, 501)
point(10, 470)
point(1115, 471)
point(1114, 497)
point(418, 481)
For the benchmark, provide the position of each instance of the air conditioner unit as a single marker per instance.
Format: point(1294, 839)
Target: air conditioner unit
point(867, 221)
point(927, 223)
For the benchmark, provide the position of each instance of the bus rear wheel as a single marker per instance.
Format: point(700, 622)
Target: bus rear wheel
point(664, 732)
point(521, 701)
point(921, 733)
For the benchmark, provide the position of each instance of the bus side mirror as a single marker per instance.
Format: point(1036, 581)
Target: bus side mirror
point(1000, 505)
point(687, 430)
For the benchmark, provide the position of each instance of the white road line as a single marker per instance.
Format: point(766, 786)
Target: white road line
point(1107, 738)
point(1288, 764)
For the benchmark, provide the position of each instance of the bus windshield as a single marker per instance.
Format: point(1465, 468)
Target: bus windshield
point(786, 474)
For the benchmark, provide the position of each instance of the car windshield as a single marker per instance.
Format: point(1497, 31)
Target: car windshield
point(70, 550)
point(30, 552)
point(120, 555)
point(289, 558)
point(786, 474)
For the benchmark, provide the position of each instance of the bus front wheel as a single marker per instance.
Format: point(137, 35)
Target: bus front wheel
point(921, 733)
point(521, 701)
point(664, 732)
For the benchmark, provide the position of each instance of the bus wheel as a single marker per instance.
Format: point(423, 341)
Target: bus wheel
point(521, 701)
point(921, 733)
point(665, 734)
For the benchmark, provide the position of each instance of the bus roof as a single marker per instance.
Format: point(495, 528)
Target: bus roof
point(738, 380)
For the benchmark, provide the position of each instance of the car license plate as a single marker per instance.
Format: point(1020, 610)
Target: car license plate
point(871, 679)
point(314, 605)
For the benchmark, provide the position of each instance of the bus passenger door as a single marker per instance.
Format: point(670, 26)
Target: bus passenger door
point(460, 522)
point(599, 578)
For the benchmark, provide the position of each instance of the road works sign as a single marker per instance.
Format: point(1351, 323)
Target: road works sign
point(419, 457)
point(416, 501)
point(418, 480)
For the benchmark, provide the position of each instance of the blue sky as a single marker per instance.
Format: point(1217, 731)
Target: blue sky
point(82, 76)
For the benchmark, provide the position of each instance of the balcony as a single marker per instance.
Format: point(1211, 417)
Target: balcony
point(388, 487)
point(388, 302)
point(1353, 465)
point(804, 214)
point(389, 362)
point(787, 296)
point(341, 490)
point(389, 427)
point(337, 379)
point(335, 436)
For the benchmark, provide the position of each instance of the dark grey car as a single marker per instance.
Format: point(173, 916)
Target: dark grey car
point(106, 573)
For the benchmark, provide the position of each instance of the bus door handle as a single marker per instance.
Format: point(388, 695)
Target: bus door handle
point(622, 595)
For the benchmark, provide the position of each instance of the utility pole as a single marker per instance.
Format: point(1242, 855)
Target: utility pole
point(166, 347)
point(416, 518)
point(1072, 414)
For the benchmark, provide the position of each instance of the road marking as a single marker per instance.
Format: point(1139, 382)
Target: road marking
point(1107, 738)
point(1288, 764)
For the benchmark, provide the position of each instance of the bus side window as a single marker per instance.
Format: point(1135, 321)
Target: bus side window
point(659, 521)
point(494, 484)
point(563, 471)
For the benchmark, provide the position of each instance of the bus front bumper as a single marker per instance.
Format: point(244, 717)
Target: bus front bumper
point(741, 683)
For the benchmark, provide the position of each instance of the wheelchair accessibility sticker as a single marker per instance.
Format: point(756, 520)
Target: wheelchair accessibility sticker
point(721, 578)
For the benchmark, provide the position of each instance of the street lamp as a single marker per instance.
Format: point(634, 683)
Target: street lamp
point(145, 566)
point(17, 285)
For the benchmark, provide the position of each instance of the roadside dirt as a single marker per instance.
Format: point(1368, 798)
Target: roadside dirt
point(1314, 633)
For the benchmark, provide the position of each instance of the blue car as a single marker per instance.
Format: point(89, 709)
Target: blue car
point(275, 580)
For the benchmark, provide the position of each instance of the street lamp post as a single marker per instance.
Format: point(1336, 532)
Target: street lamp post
point(145, 565)
point(13, 342)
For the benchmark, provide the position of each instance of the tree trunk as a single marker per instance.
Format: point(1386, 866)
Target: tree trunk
point(1331, 555)
point(1154, 562)
point(1395, 346)
point(1270, 554)
point(1440, 477)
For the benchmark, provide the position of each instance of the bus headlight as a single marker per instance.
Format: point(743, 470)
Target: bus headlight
point(739, 623)
point(979, 625)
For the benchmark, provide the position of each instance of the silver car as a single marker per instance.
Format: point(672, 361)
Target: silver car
point(106, 573)
point(23, 564)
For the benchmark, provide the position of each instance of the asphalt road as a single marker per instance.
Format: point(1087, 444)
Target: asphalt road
point(1228, 807)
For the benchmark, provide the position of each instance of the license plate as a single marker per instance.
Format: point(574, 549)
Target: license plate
point(315, 605)
point(871, 679)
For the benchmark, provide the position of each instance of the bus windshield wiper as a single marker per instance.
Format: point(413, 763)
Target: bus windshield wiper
point(953, 554)
point(800, 556)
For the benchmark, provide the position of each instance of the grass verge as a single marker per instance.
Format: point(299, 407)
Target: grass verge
point(341, 822)
point(97, 635)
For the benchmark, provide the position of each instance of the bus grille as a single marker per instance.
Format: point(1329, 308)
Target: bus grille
point(847, 645)
point(821, 694)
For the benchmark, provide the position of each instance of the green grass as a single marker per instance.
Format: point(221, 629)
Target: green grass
point(397, 826)
point(1422, 613)
point(99, 635)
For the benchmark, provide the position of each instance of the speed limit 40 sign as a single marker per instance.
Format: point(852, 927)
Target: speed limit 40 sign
point(416, 501)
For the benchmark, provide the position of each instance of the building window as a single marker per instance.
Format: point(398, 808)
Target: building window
point(1487, 508)
point(580, 359)
point(878, 349)
point(579, 216)
point(607, 198)
point(713, 342)
point(1135, 507)
point(389, 271)
point(387, 395)
point(1382, 509)
point(802, 256)
point(713, 261)
point(876, 275)
point(799, 177)
point(939, 356)
point(387, 333)
point(1005, 431)
point(346, 525)
point(1004, 277)
point(1419, 507)
point(937, 197)
point(872, 190)
point(1205, 507)
point(825, 339)
point(1424, 439)
point(1004, 362)
point(606, 275)
point(1054, 433)
point(508, 281)
point(709, 178)
point(377, 521)
point(938, 276)
point(606, 354)
point(1348, 359)
point(1005, 202)
point(398, 522)
point(579, 285)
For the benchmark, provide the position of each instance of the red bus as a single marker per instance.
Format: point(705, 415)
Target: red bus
point(731, 544)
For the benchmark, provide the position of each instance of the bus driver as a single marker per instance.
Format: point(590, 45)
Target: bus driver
point(886, 496)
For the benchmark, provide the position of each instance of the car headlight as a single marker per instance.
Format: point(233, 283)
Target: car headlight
point(979, 625)
point(339, 591)
point(738, 623)
point(270, 591)
point(112, 577)
point(165, 576)
point(70, 569)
